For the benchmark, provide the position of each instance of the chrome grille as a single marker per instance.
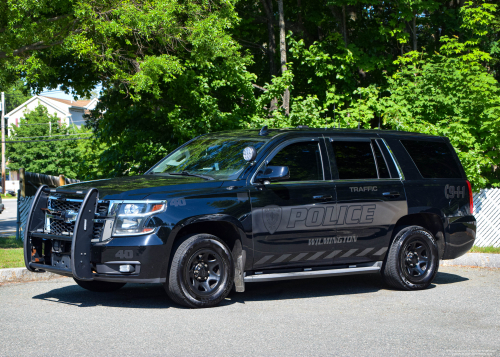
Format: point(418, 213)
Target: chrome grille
point(102, 211)
point(64, 205)
point(61, 228)
point(97, 232)
point(57, 205)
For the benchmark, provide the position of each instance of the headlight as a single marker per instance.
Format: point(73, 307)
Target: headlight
point(133, 217)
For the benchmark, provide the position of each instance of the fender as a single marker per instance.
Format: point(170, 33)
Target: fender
point(222, 218)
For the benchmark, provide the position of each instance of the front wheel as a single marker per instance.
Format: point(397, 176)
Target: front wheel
point(201, 273)
point(99, 286)
point(412, 261)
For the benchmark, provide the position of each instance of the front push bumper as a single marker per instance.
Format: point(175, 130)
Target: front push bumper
point(139, 259)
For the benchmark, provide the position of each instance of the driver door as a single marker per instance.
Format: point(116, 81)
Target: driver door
point(291, 218)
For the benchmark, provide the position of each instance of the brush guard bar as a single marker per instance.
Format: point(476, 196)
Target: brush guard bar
point(80, 266)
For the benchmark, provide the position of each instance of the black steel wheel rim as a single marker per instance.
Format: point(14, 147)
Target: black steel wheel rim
point(416, 258)
point(205, 272)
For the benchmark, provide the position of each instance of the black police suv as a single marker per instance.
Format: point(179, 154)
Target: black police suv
point(237, 207)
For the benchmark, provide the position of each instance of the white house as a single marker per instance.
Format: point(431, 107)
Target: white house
point(68, 111)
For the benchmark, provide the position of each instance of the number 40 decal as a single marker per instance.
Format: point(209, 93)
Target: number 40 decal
point(181, 201)
point(124, 254)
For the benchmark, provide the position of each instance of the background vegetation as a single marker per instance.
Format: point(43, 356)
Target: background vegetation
point(173, 69)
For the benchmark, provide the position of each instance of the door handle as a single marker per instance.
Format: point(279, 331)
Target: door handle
point(322, 198)
point(391, 194)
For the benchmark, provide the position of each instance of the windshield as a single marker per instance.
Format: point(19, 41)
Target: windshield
point(220, 158)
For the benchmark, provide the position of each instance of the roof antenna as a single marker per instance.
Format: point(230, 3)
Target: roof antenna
point(264, 131)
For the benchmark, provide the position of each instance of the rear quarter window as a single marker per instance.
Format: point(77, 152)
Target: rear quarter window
point(433, 159)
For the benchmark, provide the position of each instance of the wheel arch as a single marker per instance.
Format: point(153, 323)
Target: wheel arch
point(430, 221)
point(225, 227)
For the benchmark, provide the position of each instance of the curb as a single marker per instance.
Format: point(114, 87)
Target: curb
point(482, 260)
point(20, 275)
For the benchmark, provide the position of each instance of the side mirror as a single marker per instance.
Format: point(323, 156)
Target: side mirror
point(273, 173)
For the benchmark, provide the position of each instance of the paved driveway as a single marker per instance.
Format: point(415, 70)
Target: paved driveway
point(8, 217)
point(346, 316)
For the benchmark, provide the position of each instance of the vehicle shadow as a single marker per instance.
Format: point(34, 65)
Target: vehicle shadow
point(153, 296)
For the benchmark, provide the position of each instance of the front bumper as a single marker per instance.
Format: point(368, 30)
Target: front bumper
point(139, 259)
point(460, 236)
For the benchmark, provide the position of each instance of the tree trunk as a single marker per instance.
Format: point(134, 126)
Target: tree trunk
point(344, 26)
point(271, 45)
point(286, 95)
point(414, 27)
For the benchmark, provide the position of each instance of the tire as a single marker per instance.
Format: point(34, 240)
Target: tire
point(201, 272)
point(412, 261)
point(99, 286)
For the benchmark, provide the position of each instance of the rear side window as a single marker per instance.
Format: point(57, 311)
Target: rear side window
point(354, 160)
point(432, 158)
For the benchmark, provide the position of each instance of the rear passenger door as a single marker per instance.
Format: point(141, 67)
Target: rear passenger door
point(370, 198)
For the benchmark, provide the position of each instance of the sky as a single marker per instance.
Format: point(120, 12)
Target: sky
point(56, 93)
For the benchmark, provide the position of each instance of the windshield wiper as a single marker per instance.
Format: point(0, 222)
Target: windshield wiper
point(185, 173)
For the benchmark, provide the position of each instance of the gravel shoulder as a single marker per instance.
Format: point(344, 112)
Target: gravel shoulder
point(353, 315)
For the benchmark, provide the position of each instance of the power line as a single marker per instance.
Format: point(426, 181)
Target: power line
point(37, 141)
point(22, 124)
point(49, 136)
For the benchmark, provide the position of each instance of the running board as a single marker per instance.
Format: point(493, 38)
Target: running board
point(313, 273)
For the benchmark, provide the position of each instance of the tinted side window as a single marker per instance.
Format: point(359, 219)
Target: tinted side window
point(303, 160)
point(432, 158)
point(354, 160)
point(383, 171)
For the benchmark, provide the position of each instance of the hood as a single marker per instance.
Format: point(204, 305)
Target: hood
point(139, 187)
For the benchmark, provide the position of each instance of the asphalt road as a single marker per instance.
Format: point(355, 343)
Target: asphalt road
point(8, 217)
point(345, 316)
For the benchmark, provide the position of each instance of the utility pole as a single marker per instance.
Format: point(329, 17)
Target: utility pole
point(286, 95)
point(3, 143)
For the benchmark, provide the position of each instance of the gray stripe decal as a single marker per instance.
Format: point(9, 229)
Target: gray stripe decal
point(349, 253)
point(283, 257)
point(316, 256)
point(265, 259)
point(365, 252)
point(381, 251)
point(299, 257)
point(332, 254)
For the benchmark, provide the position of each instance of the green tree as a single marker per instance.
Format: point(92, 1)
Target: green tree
point(15, 95)
point(43, 147)
point(173, 69)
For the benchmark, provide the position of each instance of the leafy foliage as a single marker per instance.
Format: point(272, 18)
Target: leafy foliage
point(172, 70)
point(35, 153)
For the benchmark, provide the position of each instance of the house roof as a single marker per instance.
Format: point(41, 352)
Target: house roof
point(77, 103)
point(43, 99)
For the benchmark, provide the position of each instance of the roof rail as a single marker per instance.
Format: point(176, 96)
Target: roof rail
point(302, 126)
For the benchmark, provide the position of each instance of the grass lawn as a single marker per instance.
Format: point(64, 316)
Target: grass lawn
point(7, 196)
point(10, 242)
point(11, 258)
point(490, 250)
point(11, 253)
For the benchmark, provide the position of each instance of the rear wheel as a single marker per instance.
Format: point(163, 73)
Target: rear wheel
point(412, 261)
point(99, 286)
point(201, 272)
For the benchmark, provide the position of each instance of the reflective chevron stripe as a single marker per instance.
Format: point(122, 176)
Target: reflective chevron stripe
point(365, 252)
point(381, 251)
point(310, 256)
